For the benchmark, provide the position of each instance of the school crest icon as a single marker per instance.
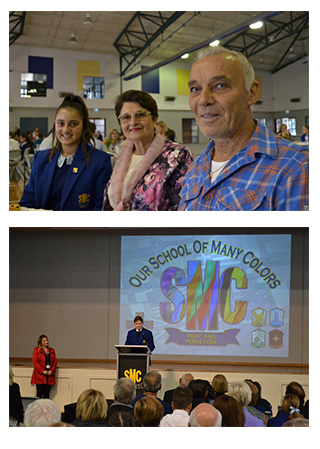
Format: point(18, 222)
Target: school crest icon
point(258, 339)
point(276, 339)
point(276, 317)
point(259, 317)
point(84, 199)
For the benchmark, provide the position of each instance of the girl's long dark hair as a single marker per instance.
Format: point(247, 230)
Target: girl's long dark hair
point(76, 102)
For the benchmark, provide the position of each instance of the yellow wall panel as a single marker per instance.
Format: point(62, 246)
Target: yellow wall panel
point(87, 68)
point(183, 77)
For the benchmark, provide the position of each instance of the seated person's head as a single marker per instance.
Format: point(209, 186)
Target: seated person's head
point(231, 411)
point(42, 413)
point(148, 411)
point(205, 415)
point(240, 391)
point(124, 390)
point(152, 382)
point(182, 398)
point(198, 388)
point(220, 384)
point(91, 406)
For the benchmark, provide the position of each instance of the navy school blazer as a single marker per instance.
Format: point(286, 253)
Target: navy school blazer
point(84, 185)
point(147, 338)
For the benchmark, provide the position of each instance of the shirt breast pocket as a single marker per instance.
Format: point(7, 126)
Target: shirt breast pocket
point(191, 196)
point(236, 199)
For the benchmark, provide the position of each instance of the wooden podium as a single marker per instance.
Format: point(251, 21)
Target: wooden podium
point(133, 361)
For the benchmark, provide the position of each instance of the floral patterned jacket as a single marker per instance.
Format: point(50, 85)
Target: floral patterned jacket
point(159, 187)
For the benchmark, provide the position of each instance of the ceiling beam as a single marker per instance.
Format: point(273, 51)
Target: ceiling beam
point(231, 31)
point(275, 31)
point(135, 38)
point(16, 25)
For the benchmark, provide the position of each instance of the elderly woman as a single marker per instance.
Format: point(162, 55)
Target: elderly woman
point(242, 393)
point(149, 169)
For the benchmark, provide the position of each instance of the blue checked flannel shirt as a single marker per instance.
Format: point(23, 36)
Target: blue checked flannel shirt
point(269, 174)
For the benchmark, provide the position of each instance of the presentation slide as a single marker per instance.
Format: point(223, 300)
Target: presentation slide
point(208, 295)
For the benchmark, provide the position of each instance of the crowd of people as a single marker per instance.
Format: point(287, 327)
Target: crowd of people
point(193, 403)
point(143, 167)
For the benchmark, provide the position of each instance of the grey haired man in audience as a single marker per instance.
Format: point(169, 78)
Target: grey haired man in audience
point(124, 392)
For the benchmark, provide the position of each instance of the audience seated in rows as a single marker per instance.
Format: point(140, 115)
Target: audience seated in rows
point(191, 406)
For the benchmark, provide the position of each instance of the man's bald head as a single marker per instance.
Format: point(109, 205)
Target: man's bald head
point(205, 415)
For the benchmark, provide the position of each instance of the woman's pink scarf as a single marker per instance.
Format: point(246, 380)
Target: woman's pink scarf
point(120, 195)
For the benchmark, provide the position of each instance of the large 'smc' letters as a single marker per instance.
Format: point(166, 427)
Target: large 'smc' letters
point(204, 298)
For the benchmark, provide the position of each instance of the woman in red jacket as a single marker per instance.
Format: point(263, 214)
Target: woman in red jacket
point(44, 361)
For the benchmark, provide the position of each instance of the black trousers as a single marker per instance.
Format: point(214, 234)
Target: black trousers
point(43, 391)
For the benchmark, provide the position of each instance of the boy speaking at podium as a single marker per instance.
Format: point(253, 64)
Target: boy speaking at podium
point(140, 335)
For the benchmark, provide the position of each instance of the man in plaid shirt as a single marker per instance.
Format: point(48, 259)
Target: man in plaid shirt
point(245, 166)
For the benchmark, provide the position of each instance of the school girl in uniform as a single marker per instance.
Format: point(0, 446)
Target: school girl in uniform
point(72, 175)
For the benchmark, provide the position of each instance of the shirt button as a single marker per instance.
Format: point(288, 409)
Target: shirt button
point(207, 197)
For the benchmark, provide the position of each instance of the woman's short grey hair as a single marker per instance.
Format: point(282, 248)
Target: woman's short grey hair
point(42, 413)
point(240, 391)
point(124, 390)
point(248, 70)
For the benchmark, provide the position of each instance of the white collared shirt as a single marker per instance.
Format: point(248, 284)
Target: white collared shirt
point(179, 418)
point(61, 160)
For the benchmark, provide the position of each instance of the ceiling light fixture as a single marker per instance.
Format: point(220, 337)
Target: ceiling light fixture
point(214, 43)
point(185, 56)
point(292, 53)
point(73, 40)
point(88, 21)
point(256, 25)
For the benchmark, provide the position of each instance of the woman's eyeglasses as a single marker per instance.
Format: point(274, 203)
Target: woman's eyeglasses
point(138, 116)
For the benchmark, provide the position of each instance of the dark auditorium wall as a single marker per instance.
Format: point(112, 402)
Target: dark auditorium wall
point(65, 283)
